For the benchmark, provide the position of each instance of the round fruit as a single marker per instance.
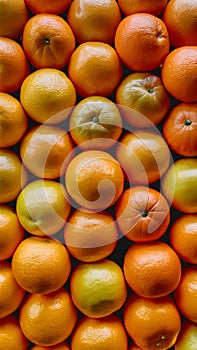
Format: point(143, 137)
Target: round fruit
point(187, 338)
point(10, 10)
point(60, 346)
point(129, 7)
point(11, 334)
point(45, 6)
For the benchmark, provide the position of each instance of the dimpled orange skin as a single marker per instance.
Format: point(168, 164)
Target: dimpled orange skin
point(11, 334)
point(46, 6)
point(61, 346)
point(10, 10)
point(129, 7)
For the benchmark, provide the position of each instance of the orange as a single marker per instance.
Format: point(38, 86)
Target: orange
point(152, 270)
point(12, 175)
point(14, 65)
point(48, 41)
point(13, 120)
point(98, 289)
point(60, 346)
point(11, 232)
point(42, 207)
point(57, 6)
point(107, 333)
point(180, 129)
point(90, 236)
point(145, 93)
point(183, 237)
point(11, 293)
point(179, 73)
point(94, 179)
point(11, 334)
point(10, 10)
point(180, 18)
point(95, 122)
point(152, 323)
point(134, 347)
point(143, 214)
point(144, 156)
point(95, 69)
point(186, 293)
point(179, 185)
point(47, 95)
point(142, 42)
point(187, 338)
point(129, 7)
point(94, 21)
point(48, 319)
point(41, 265)
point(45, 150)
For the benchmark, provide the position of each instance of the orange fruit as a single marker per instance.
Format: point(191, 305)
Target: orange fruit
point(11, 334)
point(41, 265)
point(45, 150)
point(107, 333)
point(142, 41)
point(134, 347)
point(10, 10)
point(94, 179)
point(143, 155)
point(90, 236)
point(13, 120)
point(183, 237)
point(95, 122)
point(12, 175)
point(187, 338)
point(152, 270)
point(45, 6)
point(98, 289)
point(47, 95)
point(48, 41)
point(14, 65)
point(152, 323)
point(129, 7)
point(11, 232)
point(180, 18)
point(95, 69)
point(180, 129)
point(11, 293)
point(179, 73)
point(145, 93)
point(42, 207)
point(60, 346)
point(48, 319)
point(142, 214)
point(94, 21)
point(186, 293)
point(179, 185)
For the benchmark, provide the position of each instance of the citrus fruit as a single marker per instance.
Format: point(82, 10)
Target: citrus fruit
point(183, 237)
point(41, 265)
point(129, 7)
point(152, 270)
point(180, 129)
point(48, 41)
point(47, 95)
point(45, 6)
point(90, 236)
point(186, 293)
point(134, 347)
point(98, 289)
point(142, 42)
point(45, 150)
point(142, 214)
point(95, 122)
point(48, 319)
point(180, 183)
point(10, 10)
point(14, 65)
point(152, 323)
point(11, 334)
point(94, 179)
point(11, 293)
point(12, 175)
point(187, 338)
point(143, 155)
point(42, 207)
point(95, 69)
point(179, 73)
point(145, 93)
point(11, 232)
point(98, 334)
point(180, 18)
point(94, 21)
point(60, 346)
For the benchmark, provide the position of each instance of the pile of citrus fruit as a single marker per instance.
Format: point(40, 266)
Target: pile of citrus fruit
point(98, 174)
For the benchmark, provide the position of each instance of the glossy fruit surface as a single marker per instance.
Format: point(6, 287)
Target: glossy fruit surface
point(11, 334)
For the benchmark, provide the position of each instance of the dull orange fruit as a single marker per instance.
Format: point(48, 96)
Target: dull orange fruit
point(10, 10)
point(45, 6)
point(11, 334)
point(129, 7)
